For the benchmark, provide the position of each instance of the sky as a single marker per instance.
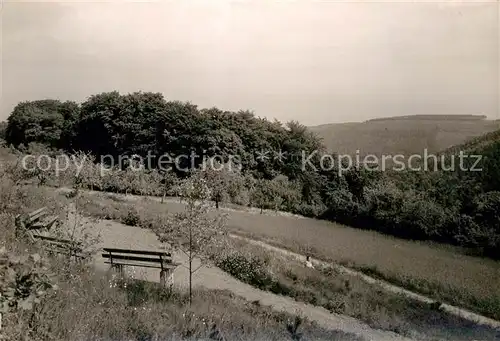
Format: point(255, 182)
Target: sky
point(312, 61)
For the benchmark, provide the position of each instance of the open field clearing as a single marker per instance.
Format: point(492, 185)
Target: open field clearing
point(344, 292)
point(434, 270)
point(114, 234)
point(368, 303)
point(438, 271)
point(313, 292)
point(386, 286)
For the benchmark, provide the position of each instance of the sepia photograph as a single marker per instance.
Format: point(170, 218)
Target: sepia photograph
point(275, 170)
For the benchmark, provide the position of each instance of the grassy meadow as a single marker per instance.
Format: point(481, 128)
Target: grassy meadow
point(439, 271)
point(339, 293)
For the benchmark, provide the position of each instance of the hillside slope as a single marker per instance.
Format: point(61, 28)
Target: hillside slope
point(475, 144)
point(405, 134)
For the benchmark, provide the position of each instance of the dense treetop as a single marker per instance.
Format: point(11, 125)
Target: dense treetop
point(138, 123)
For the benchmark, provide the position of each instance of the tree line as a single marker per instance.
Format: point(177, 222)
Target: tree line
point(456, 207)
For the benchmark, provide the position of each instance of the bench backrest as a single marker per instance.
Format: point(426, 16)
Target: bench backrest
point(62, 245)
point(38, 219)
point(159, 259)
point(38, 214)
point(54, 240)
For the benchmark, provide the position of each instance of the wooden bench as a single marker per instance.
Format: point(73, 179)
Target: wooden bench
point(37, 225)
point(39, 220)
point(118, 258)
point(72, 249)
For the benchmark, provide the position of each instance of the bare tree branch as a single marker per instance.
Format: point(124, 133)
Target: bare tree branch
point(198, 268)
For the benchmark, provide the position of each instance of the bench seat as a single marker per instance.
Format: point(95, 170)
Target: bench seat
point(61, 246)
point(118, 258)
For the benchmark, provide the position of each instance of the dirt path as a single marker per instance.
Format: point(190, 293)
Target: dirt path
point(457, 311)
point(113, 234)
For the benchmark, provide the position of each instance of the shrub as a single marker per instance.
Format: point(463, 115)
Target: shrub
point(250, 269)
point(132, 218)
point(420, 217)
point(487, 209)
point(24, 281)
point(342, 207)
point(310, 210)
point(242, 198)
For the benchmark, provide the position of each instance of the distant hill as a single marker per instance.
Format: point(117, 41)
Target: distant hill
point(403, 134)
point(432, 118)
point(475, 144)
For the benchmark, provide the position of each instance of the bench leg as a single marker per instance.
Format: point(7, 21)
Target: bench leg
point(118, 269)
point(163, 278)
point(167, 278)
